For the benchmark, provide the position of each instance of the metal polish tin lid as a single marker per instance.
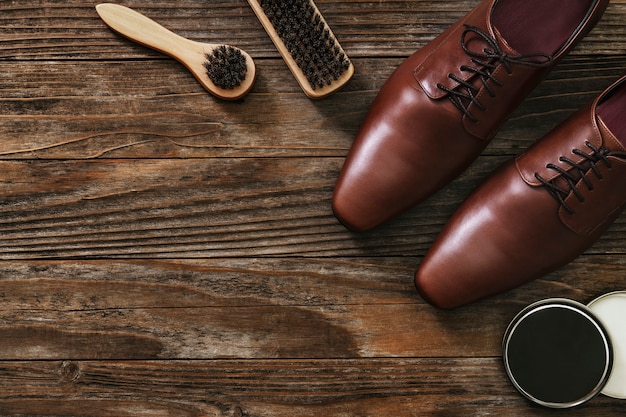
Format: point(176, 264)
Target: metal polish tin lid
point(557, 353)
point(611, 310)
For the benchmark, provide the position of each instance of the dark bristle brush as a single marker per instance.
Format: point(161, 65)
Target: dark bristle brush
point(225, 71)
point(306, 43)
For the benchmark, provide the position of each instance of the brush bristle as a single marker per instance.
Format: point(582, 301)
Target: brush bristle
point(308, 39)
point(226, 67)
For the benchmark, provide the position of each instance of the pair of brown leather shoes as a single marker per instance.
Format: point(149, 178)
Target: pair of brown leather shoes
point(439, 110)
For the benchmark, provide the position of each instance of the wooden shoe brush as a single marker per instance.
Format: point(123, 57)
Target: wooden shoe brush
point(306, 43)
point(225, 71)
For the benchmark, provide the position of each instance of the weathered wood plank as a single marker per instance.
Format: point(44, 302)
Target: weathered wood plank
point(258, 308)
point(46, 29)
point(121, 110)
point(168, 208)
point(324, 388)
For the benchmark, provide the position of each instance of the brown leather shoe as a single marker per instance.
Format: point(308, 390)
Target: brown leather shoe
point(441, 107)
point(537, 212)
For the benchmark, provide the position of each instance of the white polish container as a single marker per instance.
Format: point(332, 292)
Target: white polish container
point(611, 310)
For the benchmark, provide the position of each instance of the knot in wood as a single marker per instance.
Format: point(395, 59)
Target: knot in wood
point(70, 371)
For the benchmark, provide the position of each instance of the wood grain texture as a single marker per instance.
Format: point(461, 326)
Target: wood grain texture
point(165, 253)
point(257, 308)
point(205, 208)
point(48, 29)
point(408, 387)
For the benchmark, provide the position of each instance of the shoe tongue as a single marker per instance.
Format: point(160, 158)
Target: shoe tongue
point(504, 45)
point(611, 142)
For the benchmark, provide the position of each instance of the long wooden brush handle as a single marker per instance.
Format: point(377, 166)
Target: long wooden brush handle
point(141, 29)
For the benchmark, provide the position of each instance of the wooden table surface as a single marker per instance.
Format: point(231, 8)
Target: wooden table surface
point(165, 253)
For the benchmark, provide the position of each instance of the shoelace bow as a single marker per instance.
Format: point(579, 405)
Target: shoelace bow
point(492, 55)
point(578, 172)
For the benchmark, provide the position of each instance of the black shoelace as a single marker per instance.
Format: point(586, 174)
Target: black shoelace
point(486, 62)
point(578, 172)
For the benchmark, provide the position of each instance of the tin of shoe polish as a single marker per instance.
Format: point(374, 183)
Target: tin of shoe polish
point(557, 353)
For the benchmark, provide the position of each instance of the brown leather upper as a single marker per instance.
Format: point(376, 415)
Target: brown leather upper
point(511, 230)
point(414, 140)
